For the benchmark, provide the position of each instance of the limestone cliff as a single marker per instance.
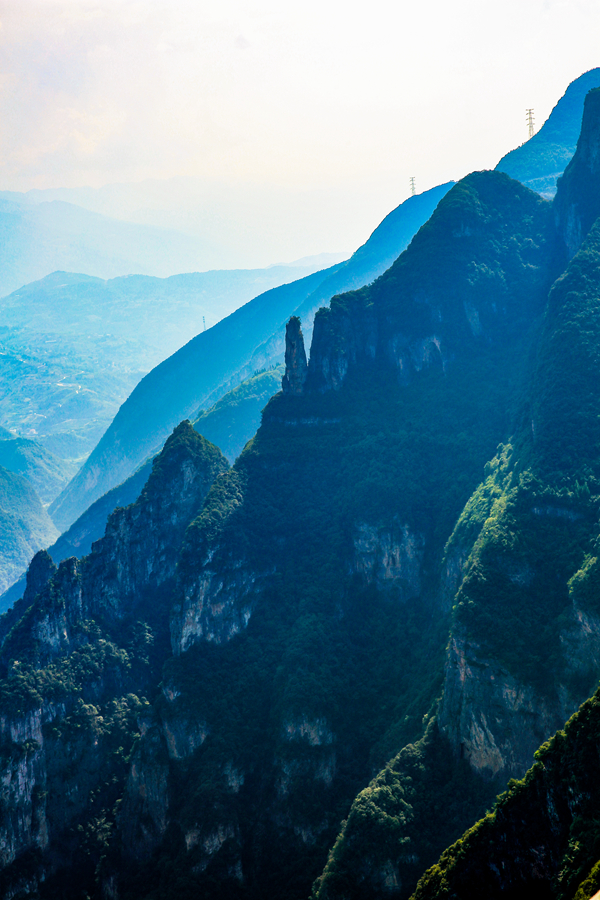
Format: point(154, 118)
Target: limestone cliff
point(577, 203)
point(542, 838)
point(74, 650)
point(142, 541)
point(295, 358)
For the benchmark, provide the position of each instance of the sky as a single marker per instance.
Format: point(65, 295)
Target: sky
point(339, 102)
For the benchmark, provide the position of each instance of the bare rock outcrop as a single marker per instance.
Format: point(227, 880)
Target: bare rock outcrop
point(295, 358)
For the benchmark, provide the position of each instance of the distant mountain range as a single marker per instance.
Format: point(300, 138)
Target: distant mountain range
point(39, 236)
point(73, 347)
point(36, 239)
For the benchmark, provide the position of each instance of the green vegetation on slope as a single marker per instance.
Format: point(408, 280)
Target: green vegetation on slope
point(402, 819)
point(329, 478)
point(235, 418)
point(546, 493)
point(543, 837)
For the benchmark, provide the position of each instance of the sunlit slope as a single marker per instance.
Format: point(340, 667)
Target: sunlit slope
point(542, 838)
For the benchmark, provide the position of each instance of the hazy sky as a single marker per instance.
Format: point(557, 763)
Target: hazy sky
point(294, 94)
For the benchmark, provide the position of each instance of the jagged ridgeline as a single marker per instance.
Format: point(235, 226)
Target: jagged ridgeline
point(192, 709)
point(78, 654)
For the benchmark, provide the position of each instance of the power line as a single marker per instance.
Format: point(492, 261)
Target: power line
point(530, 122)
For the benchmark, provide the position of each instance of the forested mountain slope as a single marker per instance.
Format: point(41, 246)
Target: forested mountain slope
point(542, 838)
point(235, 418)
point(303, 648)
point(524, 650)
point(194, 707)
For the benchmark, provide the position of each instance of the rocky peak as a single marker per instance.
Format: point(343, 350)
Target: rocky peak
point(295, 358)
point(577, 203)
point(41, 569)
point(139, 551)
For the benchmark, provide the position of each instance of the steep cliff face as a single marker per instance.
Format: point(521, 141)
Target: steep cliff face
point(308, 593)
point(495, 719)
point(520, 570)
point(483, 287)
point(542, 839)
point(139, 551)
point(520, 640)
point(390, 558)
point(577, 204)
point(75, 652)
point(343, 336)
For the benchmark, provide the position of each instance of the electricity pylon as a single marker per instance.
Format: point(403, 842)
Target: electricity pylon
point(530, 122)
point(413, 189)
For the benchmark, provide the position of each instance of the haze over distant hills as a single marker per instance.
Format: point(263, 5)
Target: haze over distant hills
point(205, 224)
point(25, 526)
point(73, 347)
point(39, 236)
